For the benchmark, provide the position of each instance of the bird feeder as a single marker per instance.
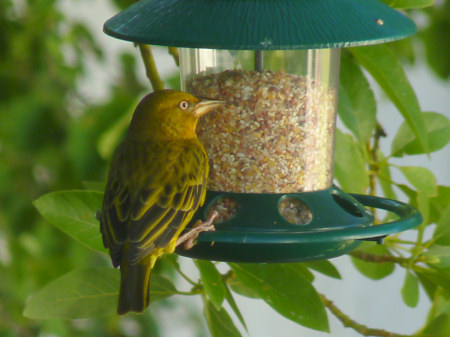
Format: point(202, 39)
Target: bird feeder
point(271, 148)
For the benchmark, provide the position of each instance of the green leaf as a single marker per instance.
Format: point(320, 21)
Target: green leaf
point(441, 234)
point(441, 305)
point(161, 287)
point(219, 322)
point(438, 327)
point(85, 293)
point(168, 265)
point(240, 288)
point(437, 277)
point(436, 40)
point(373, 270)
point(173, 81)
point(423, 204)
point(410, 290)
point(110, 139)
point(360, 117)
point(404, 49)
point(233, 305)
point(438, 256)
point(81, 293)
point(383, 65)
point(437, 132)
point(409, 4)
point(412, 195)
point(74, 212)
point(325, 267)
point(212, 282)
point(439, 203)
point(98, 186)
point(285, 289)
point(429, 286)
point(345, 111)
point(421, 178)
point(350, 166)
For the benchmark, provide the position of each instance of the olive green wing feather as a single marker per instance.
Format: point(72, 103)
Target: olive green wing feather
point(116, 204)
point(147, 204)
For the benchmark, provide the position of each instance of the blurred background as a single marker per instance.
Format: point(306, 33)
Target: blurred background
point(66, 88)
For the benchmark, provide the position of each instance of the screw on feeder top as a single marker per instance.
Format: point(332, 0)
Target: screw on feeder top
point(260, 25)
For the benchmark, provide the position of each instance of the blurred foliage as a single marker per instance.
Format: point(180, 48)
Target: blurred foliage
point(52, 138)
point(48, 141)
point(436, 38)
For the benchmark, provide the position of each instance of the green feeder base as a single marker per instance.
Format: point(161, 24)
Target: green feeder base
point(266, 228)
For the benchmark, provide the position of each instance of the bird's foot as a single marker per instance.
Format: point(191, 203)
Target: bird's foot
point(189, 237)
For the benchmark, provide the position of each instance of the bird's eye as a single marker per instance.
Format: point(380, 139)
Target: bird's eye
point(184, 105)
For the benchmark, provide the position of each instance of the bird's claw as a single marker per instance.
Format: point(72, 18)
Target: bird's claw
point(188, 238)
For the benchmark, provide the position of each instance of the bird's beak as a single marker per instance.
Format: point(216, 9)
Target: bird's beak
point(206, 105)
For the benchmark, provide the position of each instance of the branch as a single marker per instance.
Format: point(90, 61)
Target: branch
point(228, 276)
point(174, 52)
point(403, 261)
point(150, 67)
point(373, 153)
point(373, 159)
point(178, 269)
point(349, 323)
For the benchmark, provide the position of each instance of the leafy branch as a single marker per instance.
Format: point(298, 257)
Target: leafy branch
point(350, 323)
point(405, 262)
point(150, 67)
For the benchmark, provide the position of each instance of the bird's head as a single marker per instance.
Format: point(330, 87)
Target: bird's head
point(169, 114)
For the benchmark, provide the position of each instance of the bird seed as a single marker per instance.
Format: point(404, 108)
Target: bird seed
point(275, 136)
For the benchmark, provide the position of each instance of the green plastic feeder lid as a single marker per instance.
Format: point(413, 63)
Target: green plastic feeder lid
point(260, 24)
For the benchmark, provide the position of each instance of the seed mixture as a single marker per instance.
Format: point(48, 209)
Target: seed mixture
point(225, 207)
point(275, 136)
point(295, 211)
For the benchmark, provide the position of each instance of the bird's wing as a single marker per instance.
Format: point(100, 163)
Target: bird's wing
point(147, 204)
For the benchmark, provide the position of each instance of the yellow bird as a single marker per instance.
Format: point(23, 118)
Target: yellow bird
point(156, 182)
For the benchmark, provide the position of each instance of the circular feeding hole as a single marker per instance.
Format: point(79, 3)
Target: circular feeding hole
point(347, 205)
point(295, 211)
point(226, 208)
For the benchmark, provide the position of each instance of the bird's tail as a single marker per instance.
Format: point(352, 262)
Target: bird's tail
point(134, 286)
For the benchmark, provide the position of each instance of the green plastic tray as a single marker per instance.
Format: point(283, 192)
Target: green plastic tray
point(258, 233)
